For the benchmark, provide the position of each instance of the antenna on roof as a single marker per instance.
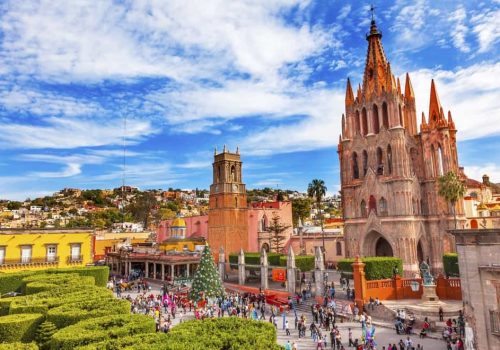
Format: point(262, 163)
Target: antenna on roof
point(124, 167)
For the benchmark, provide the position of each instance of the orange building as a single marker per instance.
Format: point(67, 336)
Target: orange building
point(228, 210)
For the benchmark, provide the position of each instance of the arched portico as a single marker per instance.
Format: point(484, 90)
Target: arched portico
point(375, 244)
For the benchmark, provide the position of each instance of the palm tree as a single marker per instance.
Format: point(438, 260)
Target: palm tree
point(316, 190)
point(451, 188)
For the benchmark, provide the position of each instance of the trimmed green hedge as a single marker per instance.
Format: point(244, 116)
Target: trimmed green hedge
point(254, 259)
point(303, 262)
point(376, 268)
point(19, 346)
point(148, 341)
point(450, 264)
point(100, 329)
point(5, 305)
point(23, 327)
point(229, 333)
point(71, 313)
point(222, 333)
point(13, 282)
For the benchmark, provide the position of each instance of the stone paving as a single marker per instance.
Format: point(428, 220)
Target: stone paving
point(384, 333)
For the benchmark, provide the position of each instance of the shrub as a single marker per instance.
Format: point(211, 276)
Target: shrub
point(44, 334)
point(37, 287)
point(222, 333)
point(229, 333)
point(5, 305)
point(303, 262)
point(18, 346)
point(254, 259)
point(100, 329)
point(100, 273)
point(450, 264)
point(148, 341)
point(376, 268)
point(13, 282)
point(19, 327)
point(71, 313)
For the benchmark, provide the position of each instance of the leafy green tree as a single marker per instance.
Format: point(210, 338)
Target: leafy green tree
point(207, 281)
point(277, 230)
point(141, 209)
point(451, 188)
point(301, 208)
point(317, 190)
point(14, 205)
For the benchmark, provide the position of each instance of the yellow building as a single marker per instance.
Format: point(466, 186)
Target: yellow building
point(106, 242)
point(23, 249)
point(177, 240)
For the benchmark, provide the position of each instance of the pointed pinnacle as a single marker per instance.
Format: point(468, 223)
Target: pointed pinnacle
point(434, 104)
point(409, 94)
point(349, 96)
point(399, 87)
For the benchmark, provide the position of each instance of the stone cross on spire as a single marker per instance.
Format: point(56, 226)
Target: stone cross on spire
point(372, 10)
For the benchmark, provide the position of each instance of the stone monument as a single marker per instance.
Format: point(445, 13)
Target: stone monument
point(319, 271)
point(264, 266)
point(241, 268)
point(291, 271)
point(429, 295)
point(222, 263)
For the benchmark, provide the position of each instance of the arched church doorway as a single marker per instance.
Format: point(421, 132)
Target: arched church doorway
point(383, 248)
point(420, 252)
point(265, 246)
point(375, 244)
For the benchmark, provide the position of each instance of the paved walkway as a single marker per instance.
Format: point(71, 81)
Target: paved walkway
point(384, 333)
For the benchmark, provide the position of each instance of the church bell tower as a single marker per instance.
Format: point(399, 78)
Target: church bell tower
point(228, 212)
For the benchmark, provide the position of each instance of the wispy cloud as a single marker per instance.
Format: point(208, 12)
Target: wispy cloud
point(460, 29)
point(486, 28)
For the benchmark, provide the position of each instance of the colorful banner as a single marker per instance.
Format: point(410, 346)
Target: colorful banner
point(279, 275)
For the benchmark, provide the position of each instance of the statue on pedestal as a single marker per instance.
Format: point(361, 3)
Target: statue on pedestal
point(427, 278)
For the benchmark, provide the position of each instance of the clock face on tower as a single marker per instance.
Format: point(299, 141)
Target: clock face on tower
point(235, 187)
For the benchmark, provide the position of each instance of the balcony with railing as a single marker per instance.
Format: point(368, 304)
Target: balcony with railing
point(74, 259)
point(495, 321)
point(30, 261)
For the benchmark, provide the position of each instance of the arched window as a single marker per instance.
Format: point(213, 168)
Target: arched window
point(380, 162)
point(355, 168)
point(372, 204)
point(376, 127)
point(357, 123)
point(233, 174)
point(385, 116)
point(432, 163)
point(401, 117)
point(339, 248)
point(389, 160)
point(216, 202)
point(382, 205)
point(365, 122)
point(473, 195)
point(218, 174)
point(363, 208)
point(440, 167)
point(365, 163)
point(236, 202)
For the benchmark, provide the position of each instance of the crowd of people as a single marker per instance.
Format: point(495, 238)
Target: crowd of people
point(173, 304)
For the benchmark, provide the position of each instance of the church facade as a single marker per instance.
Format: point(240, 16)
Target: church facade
point(390, 166)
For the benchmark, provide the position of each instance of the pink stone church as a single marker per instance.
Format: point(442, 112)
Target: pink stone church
point(390, 167)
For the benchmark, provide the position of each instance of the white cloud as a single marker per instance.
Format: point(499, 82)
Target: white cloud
point(460, 29)
point(486, 28)
point(476, 171)
point(470, 93)
point(71, 169)
point(71, 133)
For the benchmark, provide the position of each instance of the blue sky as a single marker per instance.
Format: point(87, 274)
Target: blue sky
point(268, 76)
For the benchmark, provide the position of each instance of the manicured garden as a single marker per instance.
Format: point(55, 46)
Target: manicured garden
point(71, 309)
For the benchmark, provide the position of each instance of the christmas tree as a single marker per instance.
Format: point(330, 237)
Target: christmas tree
point(207, 281)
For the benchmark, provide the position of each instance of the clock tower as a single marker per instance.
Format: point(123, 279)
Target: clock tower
point(228, 212)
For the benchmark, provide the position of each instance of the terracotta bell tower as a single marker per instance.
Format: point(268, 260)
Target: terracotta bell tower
point(228, 212)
